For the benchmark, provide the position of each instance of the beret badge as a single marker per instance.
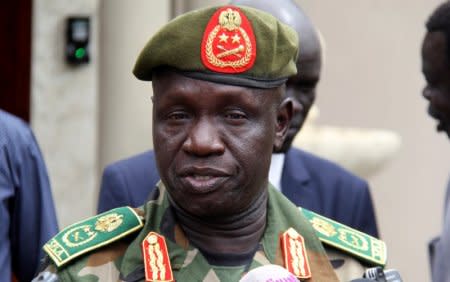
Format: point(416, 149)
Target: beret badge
point(228, 44)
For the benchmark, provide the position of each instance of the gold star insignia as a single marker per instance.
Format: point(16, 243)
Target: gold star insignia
point(236, 38)
point(223, 38)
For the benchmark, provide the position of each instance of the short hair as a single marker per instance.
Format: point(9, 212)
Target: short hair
point(439, 20)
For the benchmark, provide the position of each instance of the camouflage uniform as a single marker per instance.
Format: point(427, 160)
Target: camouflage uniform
point(122, 260)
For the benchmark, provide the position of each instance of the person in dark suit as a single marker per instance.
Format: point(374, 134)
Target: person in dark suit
point(27, 212)
point(307, 180)
point(128, 182)
point(436, 70)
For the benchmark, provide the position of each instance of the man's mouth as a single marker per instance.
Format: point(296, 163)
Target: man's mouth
point(441, 126)
point(202, 180)
point(202, 177)
point(433, 113)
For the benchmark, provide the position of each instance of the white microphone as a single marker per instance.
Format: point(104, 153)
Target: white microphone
point(269, 273)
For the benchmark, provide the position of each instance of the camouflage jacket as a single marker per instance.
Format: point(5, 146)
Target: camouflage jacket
point(122, 260)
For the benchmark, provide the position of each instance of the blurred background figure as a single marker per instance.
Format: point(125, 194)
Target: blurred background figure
point(307, 180)
point(27, 213)
point(436, 70)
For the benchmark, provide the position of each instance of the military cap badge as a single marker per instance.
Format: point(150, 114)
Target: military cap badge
point(228, 44)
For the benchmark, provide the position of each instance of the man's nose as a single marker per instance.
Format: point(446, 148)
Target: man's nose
point(204, 139)
point(427, 93)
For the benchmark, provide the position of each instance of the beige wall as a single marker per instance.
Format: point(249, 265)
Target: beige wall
point(90, 115)
point(125, 102)
point(372, 78)
point(64, 107)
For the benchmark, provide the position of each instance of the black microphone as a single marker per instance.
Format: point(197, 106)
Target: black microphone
point(380, 275)
point(393, 275)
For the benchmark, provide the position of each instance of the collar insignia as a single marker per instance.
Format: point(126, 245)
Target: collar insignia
point(156, 259)
point(294, 253)
point(228, 44)
point(91, 234)
point(344, 238)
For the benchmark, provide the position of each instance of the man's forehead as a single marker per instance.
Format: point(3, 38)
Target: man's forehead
point(311, 55)
point(171, 80)
point(434, 51)
point(309, 65)
point(435, 40)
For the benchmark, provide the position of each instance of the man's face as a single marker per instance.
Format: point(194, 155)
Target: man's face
point(302, 88)
point(213, 142)
point(436, 70)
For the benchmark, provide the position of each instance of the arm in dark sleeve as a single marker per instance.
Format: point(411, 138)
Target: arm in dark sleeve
point(113, 192)
point(33, 217)
point(6, 194)
point(364, 215)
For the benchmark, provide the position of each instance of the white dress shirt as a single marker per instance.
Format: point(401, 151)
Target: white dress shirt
point(276, 170)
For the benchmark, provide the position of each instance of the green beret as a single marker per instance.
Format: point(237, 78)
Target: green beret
point(234, 45)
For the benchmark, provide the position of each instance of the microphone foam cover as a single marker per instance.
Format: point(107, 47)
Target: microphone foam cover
point(269, 273)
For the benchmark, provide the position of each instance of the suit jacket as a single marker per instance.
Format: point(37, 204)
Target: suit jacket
point(328, 189)
point(308, 181)
point(439, 248)
point(27, 212)
point(128, 182)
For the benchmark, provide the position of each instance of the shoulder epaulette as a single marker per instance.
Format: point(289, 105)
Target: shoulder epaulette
point(344, 238)
point(92, 233)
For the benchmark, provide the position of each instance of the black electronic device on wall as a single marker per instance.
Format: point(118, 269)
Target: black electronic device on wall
point(77, 40)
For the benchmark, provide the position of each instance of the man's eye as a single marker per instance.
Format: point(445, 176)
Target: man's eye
point(431, 80)
point(178, 116)
point(235, 115)
point(306, 87)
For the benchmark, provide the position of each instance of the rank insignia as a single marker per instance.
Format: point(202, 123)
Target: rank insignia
point(92, 233)
point(294, 253)
point(156, 258)
point(228, 44)
point(342, 237)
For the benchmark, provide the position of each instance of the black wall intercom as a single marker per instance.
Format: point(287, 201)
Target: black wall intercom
point(77, 40)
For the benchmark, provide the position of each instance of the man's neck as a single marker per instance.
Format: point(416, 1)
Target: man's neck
point(236, 234)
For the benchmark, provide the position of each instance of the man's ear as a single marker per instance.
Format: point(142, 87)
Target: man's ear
point(284, 115)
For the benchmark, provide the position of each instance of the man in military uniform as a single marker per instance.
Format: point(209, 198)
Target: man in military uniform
point(218, 76)
point(307, 180)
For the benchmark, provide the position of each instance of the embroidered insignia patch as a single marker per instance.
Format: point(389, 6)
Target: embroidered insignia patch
point(92, 233)
point(294, 253)
point(344, 238)
point(156, 258)
point(228, 44)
